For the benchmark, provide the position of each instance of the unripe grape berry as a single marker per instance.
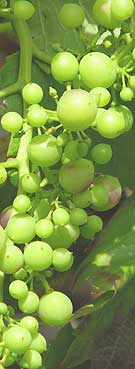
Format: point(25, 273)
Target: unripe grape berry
point(29, 304)
point(18, 289)
point(38, 343)
point(122, 9)
point(62, 259)
point(21, 228)
point(32, 93)
point(31, 359)
point(12, 122)
point(44, 228)
point(71, 15)
point(60, 216)
point(31, 324)
point(17, 339)
point(12, 260)
point(23, 9)
point(82, 199)
point(3, 308)
point(30, 182)
point(55, 309)
point(102, 96)
point(38, 255)
point(101, 153)
point(64, 67)
point(21, 203)
point(78, 216)
point(37, 117)
point(126, 94)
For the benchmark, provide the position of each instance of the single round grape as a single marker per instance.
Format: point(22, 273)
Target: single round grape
point(30, 182)
point(38, 343)
point(99, 196)
point(101, 153)
point(37, 116)
point(63, 138)
point(3, 175)
point(64, 159)
point(98, 116)
point(29, 304)
point(110, 124)
point(21, 203)
point(62, 259)
point(102, 96)
point(18, 289)
point(71, 150)
point(17, 339)
point(12, 260)
point(32, 93)
point(55, 309)
point(12, 122)
point(94, 224)
point(102, 13)
point(82, 199)
point(44, 151)
point(60, 216)
point(83, 149)
point(44, 228)
point(76, 110)
point(21, 228)
point(122, 9)
point(71, 15)
point(42, 210)
point(38, 255)
point(63, 236)
point(132, 82)
point(107, 43)
point(97, 70)
point(23, 9)
point(126, 114)
point(126, 94)
point(64, 66)
point(31, 324)
point(78, 216)
point(3, 308)
point(77, 175)
point(112, 186)
point(31, 359)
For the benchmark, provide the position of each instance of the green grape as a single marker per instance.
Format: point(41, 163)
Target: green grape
point(55, 309)
point(78, 216)
point(82, 199)
point(62, 259)
point(122, 9)
point(77, 175)
point(3, 308)
point(3, 175)
point(64, 159)
point(44, 151)
point(30, 182)
point(102, 13)
point(98, 116)
point(23, 10)
point(21, 228)
point(20, 274)
point(17, 339)
point(107, 44)
point(94, 224)
point(42, 210)
point(31, 324)
point(29, 304)
point(38, 255)
point(71, 150)
point(37, 116)
point(83, 149)
point(12, 122)
point(63, 138)
point(31, 359)
point(12, 260)
point(71, 15)
point(32, 93)
point(64, 67)
point(21, 203)
point(112, 186)
point(38, 343)
point(126, 114)
point(44, 228)
point(110, 124)
point(126, 94)
point(63, 236)
point(102, 96)
point(60, 216)
point(97, 70)
point(101, 153)
point(76, 110)
point(18, 289)
point(99, 196)
point(132, 82)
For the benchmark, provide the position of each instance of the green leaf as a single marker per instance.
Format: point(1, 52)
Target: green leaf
point(98, 304)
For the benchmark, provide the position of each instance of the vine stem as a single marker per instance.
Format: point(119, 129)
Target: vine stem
point(22, 156)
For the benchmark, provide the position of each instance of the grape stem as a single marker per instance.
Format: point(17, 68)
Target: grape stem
point(45, 284)
point(22, 156)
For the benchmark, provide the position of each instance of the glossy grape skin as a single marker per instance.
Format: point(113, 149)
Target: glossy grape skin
point(3, 175)
point(44, 151)
point(32, 93)
point(64, 66)
point(127, 115)
point(102, 96)
point(112, 185)
point(55, 309)
point(38, 255)
point(31, 359)
point(38, 343)
point(17, 339)
point(31, 324)
point(76, 110)
point(102, 13)
point(101, 153)
point(71, 15)
point(110, 124)
point(71, 150)
point(97, 70)
point(30, 182)
point(76, 176)
point(44, 228)
point(62, 259)
point(37, 116)
point(18, 289)
point(99, 196)
point(21, 203)
point(60, 216)
point(63, 236)
point(126, 94)
point(122, 9)
point(12, 260)
point(78, 216)
point(21, 228)
point(29, 304)
point(93, 225)
point(23, 10)
point(12, 122)
point(3, 308)
point(82, 199)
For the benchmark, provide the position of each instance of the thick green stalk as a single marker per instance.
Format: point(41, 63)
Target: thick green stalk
point(41, 55)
